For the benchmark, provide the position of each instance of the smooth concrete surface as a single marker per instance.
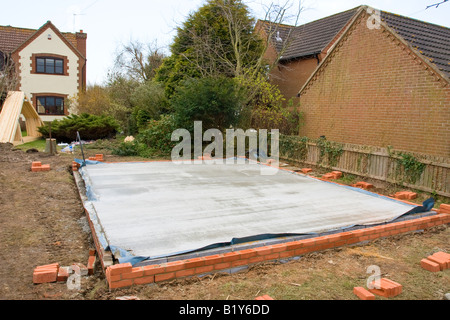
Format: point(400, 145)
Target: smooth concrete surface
point(155, 209)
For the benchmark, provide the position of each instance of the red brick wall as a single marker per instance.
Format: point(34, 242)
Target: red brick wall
point(291, 76)
point(372, 90)
point(124, 275)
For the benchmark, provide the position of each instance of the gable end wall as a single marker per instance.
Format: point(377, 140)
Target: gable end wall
point(373, 90)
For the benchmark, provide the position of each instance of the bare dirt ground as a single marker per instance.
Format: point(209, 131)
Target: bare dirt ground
point(42, 221)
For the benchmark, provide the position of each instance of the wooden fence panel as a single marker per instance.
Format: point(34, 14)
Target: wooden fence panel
point(381, 164)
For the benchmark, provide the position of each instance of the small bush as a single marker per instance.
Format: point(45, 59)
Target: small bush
point(158, 135)
point(89, 126)
point(214, 101)
point(130, 149)
point(155, 140)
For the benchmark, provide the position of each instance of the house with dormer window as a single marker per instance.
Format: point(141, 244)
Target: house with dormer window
point(50, 65)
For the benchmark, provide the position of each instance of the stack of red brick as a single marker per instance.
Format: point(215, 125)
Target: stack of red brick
point(405, 195)
point(363, 185)
point(46, 274)
point(332, 175)
point(75, 166)
point(384, 288)
point(54, 273)
point(37, 166)
point(436, 262)
point(98, 157)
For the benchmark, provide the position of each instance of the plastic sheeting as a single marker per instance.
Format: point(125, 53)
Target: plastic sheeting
point(159, 209)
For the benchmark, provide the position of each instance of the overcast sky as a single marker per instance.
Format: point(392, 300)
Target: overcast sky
point(109, 23)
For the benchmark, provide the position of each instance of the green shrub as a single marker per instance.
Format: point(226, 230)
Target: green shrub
point(90, 127)
point(215, 101)
point(158, 135)
point(155, 140)
point(130, 149)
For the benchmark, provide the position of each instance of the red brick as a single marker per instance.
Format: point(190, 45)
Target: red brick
point(113, 278)
point(281, 247)
point(337, 174)
point(214, 259)
point(388, 288)
point(153, 269)
point(144, 280)
point(223, 265)
point(439, 260)
point(185, 273)
point(262, 251)
point(363, 185)
point(135, 273)
point(329, 176)
point(272, 256)
point(302, 251)
point(256, 259)
point(307, 242)
point(230, 256)
point(91, 265)
point(405, 195)
point(120, 284)
point(247, 253)
point(443, 255)
point(120, 269)
point(48, 266)
point(363, 294)
point(46, 274)
point(444, 208)
point(430, 265)
point(164, 276)
point(63, 275)
point(287, 254)
point(239, 263)
point(306, 170)
point(194, 263)
point(174, 266)
point(293, 245)
point(204, 269)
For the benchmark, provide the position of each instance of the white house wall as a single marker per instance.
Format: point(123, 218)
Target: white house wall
point(43, 83)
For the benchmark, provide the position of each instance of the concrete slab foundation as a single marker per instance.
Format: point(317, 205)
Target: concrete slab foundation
point(157, 210)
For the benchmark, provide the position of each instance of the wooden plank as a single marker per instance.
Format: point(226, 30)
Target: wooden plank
point(15, 105)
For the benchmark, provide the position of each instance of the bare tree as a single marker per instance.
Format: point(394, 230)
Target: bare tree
point(138, 61)
point(9, 79)
point(237, 58)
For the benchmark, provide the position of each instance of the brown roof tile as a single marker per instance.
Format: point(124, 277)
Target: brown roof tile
point(12, 37)
point(430, 40)
point(311, 38)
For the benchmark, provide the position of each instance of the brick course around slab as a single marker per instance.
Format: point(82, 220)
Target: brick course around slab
point(125, 275)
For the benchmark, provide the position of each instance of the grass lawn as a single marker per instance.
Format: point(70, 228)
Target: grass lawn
point(37, 144)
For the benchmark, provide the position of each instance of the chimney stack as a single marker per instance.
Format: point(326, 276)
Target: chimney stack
point(81, 46)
